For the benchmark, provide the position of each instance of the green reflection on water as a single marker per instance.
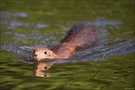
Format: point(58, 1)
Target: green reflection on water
point(117, 73)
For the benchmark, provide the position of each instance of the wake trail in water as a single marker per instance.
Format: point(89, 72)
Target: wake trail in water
point(99, 52)
point(102, 52)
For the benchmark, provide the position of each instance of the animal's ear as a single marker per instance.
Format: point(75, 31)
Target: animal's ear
point(51, 51)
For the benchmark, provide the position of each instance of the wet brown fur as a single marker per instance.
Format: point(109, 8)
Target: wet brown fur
point(82, 34)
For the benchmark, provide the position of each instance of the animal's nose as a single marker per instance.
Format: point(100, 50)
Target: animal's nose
point(35, 55)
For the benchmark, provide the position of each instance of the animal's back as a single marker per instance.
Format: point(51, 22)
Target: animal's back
point(82, 34)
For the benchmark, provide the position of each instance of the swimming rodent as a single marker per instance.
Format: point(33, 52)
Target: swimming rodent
point(81, 35)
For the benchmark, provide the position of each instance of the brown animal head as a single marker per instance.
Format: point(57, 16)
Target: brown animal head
point(43, 53)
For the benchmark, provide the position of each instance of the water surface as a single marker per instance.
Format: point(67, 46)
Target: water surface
point(108, 65)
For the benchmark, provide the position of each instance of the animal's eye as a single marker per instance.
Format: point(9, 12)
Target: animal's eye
point(45, 52)
point(45, 67)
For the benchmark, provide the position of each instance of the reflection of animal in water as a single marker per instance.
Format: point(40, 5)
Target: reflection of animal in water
point(40, 67)
point(82, 34)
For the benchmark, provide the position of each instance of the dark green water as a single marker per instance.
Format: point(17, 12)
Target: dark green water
point(27, 24)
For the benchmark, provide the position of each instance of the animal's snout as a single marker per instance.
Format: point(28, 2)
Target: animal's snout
point(35, 55)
